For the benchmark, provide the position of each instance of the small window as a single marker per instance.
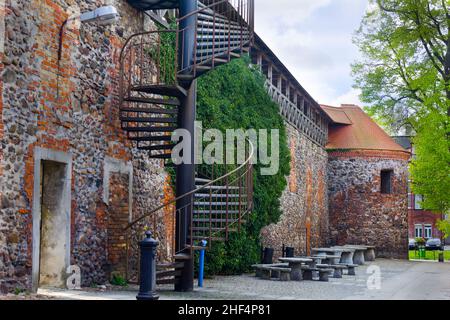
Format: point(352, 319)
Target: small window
point(428, 231)
point(418, 231)
point(386, 181)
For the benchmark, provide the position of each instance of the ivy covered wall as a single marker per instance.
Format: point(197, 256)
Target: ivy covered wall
point(233, 97)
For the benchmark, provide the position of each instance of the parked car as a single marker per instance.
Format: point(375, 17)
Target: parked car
point(434, 244)
point(412, 244)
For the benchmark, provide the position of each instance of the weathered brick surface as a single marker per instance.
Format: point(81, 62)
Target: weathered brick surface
point(118, 217)
point(73, 108)
point(304, 222)
point(359, 212)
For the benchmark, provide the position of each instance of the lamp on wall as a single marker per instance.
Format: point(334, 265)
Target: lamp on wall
point(101, 16)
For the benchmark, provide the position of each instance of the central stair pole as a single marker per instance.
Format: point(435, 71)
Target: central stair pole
point(186, 172)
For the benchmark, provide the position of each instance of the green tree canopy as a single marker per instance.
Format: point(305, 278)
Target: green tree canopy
point(404, 76)
point(405, 69)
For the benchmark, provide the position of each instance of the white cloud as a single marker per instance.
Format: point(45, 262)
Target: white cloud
point(313, 38)
point(350, 97)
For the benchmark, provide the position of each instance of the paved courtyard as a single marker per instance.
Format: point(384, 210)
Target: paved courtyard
point(399, 280)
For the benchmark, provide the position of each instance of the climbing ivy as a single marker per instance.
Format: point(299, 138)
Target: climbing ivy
point(233, 97)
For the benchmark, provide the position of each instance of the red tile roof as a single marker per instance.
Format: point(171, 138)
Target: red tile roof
point(353, 129)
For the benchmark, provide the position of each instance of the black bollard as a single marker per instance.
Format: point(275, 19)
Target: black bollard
point(147, 289)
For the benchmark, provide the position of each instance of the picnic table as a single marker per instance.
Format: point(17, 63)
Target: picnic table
point(358, 256)
point(332, 259)
point(347, 254)
point(296, 266)
point(328, 251)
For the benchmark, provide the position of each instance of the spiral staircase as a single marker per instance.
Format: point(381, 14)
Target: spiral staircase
point(154, 81)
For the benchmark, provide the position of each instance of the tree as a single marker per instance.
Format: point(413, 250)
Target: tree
point(405, 70)
point(430, 167)
point(404, 76)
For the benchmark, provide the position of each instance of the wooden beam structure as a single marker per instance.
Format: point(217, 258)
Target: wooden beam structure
point(297, 107)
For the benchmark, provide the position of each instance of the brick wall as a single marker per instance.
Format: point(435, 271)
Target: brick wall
point(118, 217)
point(359, 212)
point(423, 217)
point(71, 108)
point(304, 222)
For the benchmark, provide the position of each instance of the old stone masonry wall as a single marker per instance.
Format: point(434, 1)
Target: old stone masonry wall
point(304, 222)
point(70, 108)
point(359, 212)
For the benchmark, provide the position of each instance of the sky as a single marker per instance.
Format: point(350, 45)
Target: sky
point(313, 38)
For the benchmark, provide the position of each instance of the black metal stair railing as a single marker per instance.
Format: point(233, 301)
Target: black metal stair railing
point(217, 207)
point(152, 85)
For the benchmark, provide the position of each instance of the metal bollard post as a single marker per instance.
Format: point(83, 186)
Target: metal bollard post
point(147, 289)
point(201, 263)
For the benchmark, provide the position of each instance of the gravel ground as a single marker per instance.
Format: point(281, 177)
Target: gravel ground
point(399, 280)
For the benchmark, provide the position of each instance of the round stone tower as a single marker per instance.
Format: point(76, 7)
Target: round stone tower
point(367, 184)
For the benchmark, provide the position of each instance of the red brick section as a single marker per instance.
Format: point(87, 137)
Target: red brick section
point(118, 218)
point(423, 217)
point(359, 213)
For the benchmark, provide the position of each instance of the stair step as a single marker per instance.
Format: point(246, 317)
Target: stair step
point(158, 147)
point(201, 180)
point(215, 212)
point(148, 119)
point(212, 229)
point(149, 110)
point(164, 90)
point(215, 195)
point(172, 265)
point(207, 42)
point(219, 51)
point(167, 274)
point(222, 54)
point(209, 15)
point(220, 46)
point(167, 281)
point(208, 24)
point(219, 239)
point(203, 68)
point(218, 188)
point(215, 204)
point(150, 129)
point(182, 256)
point(151, 138)
point(224, 221)
point(168, 102)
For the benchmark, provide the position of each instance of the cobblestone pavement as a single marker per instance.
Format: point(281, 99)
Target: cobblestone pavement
point(399, 280)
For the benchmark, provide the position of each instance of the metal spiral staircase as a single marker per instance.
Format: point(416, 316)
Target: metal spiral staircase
point(155, 83)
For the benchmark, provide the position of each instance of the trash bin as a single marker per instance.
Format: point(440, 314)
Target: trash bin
point(289, 252)
point(268, 256)
point(422, 253)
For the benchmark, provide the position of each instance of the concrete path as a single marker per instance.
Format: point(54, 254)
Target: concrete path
point(380, 280)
